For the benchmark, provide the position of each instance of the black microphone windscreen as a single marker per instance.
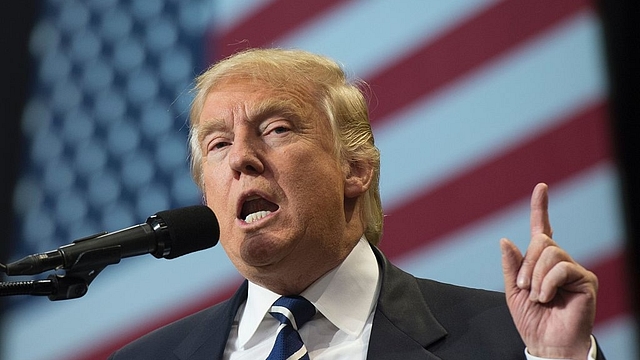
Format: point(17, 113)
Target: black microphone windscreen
point(191, 228)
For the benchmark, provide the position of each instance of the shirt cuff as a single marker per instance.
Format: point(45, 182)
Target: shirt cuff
point(593, 351)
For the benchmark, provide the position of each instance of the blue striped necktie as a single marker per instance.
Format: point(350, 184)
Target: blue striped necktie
point(292, 312)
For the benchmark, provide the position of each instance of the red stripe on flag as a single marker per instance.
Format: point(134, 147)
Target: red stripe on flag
point(575, 144)
point(481, 38)
point(613, 291)
point(270, 23)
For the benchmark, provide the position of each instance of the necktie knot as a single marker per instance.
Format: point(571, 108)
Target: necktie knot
point(292, 312)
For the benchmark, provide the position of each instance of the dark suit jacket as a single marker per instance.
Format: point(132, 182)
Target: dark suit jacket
point(414, 319)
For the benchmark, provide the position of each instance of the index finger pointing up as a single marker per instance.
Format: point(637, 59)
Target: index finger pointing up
point(540, 211)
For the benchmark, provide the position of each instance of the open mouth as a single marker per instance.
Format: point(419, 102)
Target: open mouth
point(256, 208)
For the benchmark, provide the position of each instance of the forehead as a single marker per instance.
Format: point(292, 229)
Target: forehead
point(235, 98)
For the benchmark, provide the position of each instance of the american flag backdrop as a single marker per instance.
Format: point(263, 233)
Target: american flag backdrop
point(472, 103)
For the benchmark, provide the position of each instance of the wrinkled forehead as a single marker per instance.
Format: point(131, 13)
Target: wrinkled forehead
point(292, 97)
point(290, 85)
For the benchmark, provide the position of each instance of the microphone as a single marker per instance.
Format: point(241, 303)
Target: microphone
point(166, 234)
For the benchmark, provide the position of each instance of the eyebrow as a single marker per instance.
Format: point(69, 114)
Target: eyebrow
point(275, 106)
point(209, 127)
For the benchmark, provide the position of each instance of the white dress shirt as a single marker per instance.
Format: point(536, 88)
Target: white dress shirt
point(345, 298)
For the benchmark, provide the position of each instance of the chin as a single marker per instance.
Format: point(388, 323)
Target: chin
point(261, 251)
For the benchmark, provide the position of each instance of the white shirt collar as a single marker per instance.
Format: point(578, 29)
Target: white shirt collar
point(346, 295)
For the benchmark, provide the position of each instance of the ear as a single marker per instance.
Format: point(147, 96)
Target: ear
point(358, 179)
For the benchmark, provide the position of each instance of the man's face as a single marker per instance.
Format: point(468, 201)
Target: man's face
point(273, 181)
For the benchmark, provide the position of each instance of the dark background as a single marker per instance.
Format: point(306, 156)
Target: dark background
point(622, 42)
point(16, 18)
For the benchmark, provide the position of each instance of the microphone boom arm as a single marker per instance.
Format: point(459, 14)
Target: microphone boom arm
point(71, 285)
point(74, 283)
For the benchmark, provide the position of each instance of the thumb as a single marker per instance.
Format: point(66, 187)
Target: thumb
point(511, 262)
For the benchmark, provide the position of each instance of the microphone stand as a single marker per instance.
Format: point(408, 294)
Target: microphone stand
point(73, 284)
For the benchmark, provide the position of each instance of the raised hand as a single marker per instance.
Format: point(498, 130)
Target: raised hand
point(552, 299)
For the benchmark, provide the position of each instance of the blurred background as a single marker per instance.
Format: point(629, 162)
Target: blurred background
point(472, 103)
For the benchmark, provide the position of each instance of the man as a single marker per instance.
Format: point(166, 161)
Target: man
point(283, 152)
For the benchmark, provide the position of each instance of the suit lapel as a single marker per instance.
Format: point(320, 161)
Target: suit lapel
point(403, 325)
point(209, 338)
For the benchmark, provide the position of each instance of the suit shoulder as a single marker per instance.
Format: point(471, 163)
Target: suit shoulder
point(470, 303)
point(160, 343)
point(471, 311)
point(444, 294)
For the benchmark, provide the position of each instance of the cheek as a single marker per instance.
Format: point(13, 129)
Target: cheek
point(319, 186)
point(215, 193)
point(211, 177)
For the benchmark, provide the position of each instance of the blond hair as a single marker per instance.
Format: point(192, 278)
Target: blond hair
point(321, 81)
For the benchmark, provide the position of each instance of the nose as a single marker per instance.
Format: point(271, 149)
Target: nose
point(244, 157)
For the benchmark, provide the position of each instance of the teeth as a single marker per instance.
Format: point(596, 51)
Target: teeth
point(256, 216)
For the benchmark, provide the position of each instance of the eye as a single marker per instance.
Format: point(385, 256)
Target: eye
point(280, 130)
point(277, 128)
point(217, 144)
point(220, 144)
